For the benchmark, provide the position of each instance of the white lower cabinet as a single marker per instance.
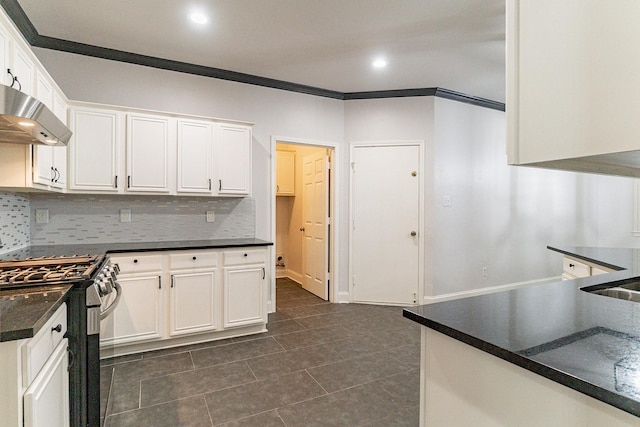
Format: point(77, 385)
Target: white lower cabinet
point(34, 377)
point(193, 302)
point(573, 268)
point(46, 401)
point(138, 316)
point(177, 297)
point(244, 300)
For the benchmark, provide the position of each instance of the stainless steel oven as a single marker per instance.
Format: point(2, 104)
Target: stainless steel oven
point(94, 296)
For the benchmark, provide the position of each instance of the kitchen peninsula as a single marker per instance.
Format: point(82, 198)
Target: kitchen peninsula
point(580, 352)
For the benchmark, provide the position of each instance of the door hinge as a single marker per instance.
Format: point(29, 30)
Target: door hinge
point(353, 167)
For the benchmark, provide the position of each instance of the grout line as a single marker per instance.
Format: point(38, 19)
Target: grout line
point(251, 370)
point(279, 416)
point(193, 364)
point(206, 405)
point(313, 378)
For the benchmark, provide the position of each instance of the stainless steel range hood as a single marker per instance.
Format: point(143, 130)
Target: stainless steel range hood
point(25, 120)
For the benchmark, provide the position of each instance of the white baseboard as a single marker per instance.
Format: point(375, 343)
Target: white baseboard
point(343, 297)
point(296, 277)
point(488, 290)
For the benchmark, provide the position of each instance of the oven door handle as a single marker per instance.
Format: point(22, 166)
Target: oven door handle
point(107, 311)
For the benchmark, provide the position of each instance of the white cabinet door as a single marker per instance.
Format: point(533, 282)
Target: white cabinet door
point(43, 172)
point(23, 69)
point(59, 108)
point(568, 84)
point(5, 56)
point(244, 296)
point(285, 173)
point(193, 302)
point(43, 169)
point(195, 140)
point(233, 151)
point(147, 153)
point(138, 316)
point(94, 149)
point(46, 400)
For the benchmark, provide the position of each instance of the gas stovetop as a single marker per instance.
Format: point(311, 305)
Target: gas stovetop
point(45, 270)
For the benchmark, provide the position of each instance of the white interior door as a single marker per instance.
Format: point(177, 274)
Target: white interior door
point(314, 218)
point(385, 223)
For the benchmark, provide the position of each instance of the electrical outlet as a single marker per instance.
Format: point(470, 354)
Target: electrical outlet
point(42, 216)
point(485, 271)
point(125, 215)
point(211, 216)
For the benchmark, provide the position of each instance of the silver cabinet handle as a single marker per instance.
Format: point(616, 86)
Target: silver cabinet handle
point(220, 185)
point(72, 358)
point(116, 182)
point(128, 181)
point(53, 174)
point(209, 184)
point(159, 282)
point(172, 280)
point(263, 273)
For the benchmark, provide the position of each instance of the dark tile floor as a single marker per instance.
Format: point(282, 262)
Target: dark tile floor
point(320, 364)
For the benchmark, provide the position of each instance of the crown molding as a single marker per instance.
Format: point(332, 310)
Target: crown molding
point(30, 33)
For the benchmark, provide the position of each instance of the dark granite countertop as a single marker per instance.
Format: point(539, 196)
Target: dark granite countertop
point(585, 341)
point(102, 248)
point(23, 311)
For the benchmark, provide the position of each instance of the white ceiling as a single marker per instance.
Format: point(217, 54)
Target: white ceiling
point(330, 44)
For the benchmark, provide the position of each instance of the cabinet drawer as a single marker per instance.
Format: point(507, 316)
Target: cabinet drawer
point(36, 352)
point(131, 264)
point(599, 270)
point(189, 260)
point(576, 268)
point(247, 256)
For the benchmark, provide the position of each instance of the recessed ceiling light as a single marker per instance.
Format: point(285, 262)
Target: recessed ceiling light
point(379, 63)
point(27, 124)
point(199, 18)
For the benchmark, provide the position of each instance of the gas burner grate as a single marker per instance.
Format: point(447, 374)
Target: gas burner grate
point(47, 269)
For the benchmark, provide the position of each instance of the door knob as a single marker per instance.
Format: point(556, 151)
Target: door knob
point(414, 234)
point(302, 228)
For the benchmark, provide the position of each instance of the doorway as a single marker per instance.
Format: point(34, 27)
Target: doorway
point(303, 211)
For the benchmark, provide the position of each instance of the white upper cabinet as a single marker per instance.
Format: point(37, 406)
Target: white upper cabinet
point(60, 109)
point(94, 150)
point(195, 140)
point(157, 153)
point(572, 72)
point(23, 69)
point(233, 152)
point(50, 163)
point(285, 173)
point(5, 57)
point(148, 153)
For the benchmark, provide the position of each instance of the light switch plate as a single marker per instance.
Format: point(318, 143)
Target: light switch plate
point(446, 201)
point(42, 216)
point(125, 215)
point(211, 216)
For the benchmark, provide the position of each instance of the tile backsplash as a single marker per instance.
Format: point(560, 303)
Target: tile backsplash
point(96, 218)
point(14, 221)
